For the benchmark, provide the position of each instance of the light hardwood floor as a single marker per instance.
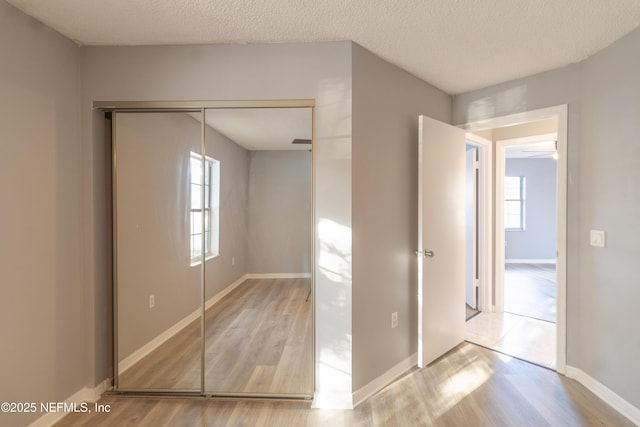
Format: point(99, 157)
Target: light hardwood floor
point(469, 386)
point(530, 290)
point(258, 339)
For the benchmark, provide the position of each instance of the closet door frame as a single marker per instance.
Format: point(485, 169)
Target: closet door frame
point(200, 107)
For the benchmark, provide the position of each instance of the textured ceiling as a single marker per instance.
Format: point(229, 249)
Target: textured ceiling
point(455, 45)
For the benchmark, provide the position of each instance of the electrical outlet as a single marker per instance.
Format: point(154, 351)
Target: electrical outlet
point(394, 319)
point(597, 238)
point(152, 301)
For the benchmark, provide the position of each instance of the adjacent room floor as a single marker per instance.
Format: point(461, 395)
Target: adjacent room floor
point(526, 329)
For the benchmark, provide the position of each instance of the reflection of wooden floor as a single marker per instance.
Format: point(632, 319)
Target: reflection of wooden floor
point(470, 386)
point(258, 340)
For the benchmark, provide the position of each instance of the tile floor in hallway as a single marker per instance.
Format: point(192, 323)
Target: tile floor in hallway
point(529, 339)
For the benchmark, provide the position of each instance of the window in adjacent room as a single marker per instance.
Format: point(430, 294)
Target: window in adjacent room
point(514, 190)
point(209, 216)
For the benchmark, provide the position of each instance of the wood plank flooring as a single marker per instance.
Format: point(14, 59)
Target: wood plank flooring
point(258, 339)
point(530, 290)
point(469, 386)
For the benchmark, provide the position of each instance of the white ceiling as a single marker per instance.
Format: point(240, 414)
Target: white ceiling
point(263, 128)
point(455, 45)
point(536, 150)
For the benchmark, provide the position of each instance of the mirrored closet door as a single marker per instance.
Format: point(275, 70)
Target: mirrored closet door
point(213, 251)
point(158, 224)
point(258, 331)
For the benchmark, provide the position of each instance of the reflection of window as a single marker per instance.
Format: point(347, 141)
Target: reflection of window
point(514, 203)
point(206, 219)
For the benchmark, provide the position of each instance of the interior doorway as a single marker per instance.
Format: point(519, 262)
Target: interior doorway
point(513, 323)
point(471, 232)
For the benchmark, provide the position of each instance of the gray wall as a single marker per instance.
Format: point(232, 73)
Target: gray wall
point(41, 308)
point(232, 261)
point(153, 222)
point(538, 240)
point(153, 225)
point(603, 94)
point(279, 227)
point(386, 105)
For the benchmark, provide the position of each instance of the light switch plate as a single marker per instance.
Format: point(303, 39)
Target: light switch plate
point(597, 238)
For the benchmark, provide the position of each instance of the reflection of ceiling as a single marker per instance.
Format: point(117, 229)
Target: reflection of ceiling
point(454, 45)
point(537, 150)
point(263, 128)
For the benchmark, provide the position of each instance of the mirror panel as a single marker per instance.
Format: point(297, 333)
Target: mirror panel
point(234, 222)
point(258, 322)
point(158, 220)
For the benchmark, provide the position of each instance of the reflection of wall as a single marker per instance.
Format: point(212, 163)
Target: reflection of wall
point(280, 212)
point(538, 240)
point(232, 262)
point(265, 220)
point(153, 222)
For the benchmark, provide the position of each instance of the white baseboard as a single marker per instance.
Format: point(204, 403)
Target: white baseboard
point(530, 261)
point(140, 353)
point(383, 380)
point(606, 394)
point(278, 275)
point(85, 394)
point(332, 401)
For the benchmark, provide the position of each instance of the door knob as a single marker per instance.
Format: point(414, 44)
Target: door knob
point(424, 253)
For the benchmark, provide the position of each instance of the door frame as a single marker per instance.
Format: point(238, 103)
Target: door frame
point(484, 212)
point(559, 112)
point(500, 237)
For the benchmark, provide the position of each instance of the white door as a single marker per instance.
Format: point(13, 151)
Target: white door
point(441, 239)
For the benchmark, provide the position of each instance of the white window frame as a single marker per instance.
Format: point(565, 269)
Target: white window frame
point(520, 200)
point(211, 210)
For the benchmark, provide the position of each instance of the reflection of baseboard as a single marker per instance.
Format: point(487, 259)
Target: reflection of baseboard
point(278, 275)
point(137, 355)
point(530, 261)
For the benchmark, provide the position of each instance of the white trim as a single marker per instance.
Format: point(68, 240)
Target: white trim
point(561, 113)
point(143, 351)
point(332, 400)
point(529, 261)
point(383, 380)
point(485, 220)
point(85, 394)
point(603, 392)
point(278, 275)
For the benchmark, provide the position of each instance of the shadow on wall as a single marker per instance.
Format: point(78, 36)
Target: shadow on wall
point(506, 102)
